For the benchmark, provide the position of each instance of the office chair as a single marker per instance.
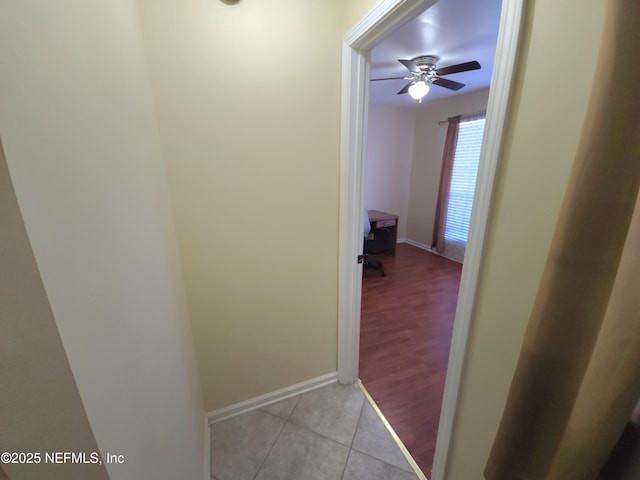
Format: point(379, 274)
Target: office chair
point(378, 244)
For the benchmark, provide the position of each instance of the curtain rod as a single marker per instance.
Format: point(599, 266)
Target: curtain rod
point(476, 115)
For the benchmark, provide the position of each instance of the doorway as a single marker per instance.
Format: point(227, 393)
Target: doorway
point(407, 317)
point(383, 19)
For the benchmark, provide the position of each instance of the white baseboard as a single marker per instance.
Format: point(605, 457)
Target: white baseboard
point(419, 245)
point(427, 248)
point(207, 451)
point(268, 398)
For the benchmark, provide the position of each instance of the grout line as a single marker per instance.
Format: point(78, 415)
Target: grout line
point(290, 421)
point(344, 469)
point(270, 414)
point(273, 414)
point(393, 434)
point(322, 435)
point(270, 450)
point(357, 424)
point(391, 465)
point(294, 407)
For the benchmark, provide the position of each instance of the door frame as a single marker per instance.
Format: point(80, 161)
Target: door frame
point(385, 17)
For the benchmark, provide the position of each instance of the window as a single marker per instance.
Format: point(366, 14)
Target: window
point(463, 181)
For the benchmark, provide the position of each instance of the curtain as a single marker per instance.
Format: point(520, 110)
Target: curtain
point(445, 183)
point(578, 376)
point(459, 167)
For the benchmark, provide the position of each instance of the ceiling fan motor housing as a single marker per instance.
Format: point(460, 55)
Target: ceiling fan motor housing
point(426, 63)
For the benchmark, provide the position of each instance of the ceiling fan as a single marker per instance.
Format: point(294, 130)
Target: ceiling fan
point(424, 72)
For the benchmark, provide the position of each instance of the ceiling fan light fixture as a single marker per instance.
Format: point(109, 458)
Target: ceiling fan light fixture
point(418, 90)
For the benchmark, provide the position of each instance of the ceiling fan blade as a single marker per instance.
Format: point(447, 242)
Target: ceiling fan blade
point(405, 89)
point(446, 83)
point(390, 78)
point(412, 67)
point(461, 67)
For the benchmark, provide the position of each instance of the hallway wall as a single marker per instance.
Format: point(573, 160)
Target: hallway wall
point(82, 147)
point(251, 146)
point(39, 399)
point(540, 143)
point(248, 102)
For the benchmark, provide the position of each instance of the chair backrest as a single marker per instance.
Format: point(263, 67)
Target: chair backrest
point(367, 224)
point(380, 242)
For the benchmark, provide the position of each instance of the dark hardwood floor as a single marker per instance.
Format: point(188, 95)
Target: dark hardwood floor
point(405, 335)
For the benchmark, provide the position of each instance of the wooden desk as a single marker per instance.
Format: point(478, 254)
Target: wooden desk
point(386, 220)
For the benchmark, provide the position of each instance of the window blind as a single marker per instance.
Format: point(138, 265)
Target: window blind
point(463, 180)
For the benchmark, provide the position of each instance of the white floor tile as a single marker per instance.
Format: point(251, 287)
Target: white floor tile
point(373, 438)
point(332, 411)
point(364, 467)
point(301, 454)
point(240, 444)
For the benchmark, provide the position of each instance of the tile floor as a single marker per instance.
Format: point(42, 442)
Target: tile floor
point(325, 434)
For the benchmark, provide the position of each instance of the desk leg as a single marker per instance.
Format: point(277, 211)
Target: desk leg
point(394, 239)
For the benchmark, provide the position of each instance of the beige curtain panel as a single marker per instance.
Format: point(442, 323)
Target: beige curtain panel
point(578, 377)
point(446, 170)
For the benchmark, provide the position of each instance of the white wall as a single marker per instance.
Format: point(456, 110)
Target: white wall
point(80, 137)
point(388, 161)
point(427, 158)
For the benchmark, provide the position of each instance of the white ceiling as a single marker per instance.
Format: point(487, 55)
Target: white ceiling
point(456, 31)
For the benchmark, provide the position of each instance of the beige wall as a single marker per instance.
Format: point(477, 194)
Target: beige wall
point(388, 161)
point(552, 86)
point(427, 158)
point(251, 146)
point(79, 133)
point(40, 407)
point(355, 10)
point(248, 101)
